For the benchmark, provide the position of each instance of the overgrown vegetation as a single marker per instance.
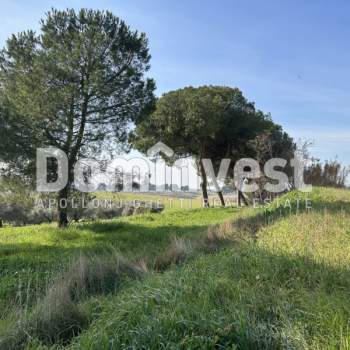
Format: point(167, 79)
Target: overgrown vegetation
point(208, 278)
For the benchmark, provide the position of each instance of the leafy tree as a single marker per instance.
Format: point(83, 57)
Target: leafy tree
point(76, 86)
point(207, 122)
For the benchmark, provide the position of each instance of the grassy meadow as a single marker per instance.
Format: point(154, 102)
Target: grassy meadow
point(250, 278)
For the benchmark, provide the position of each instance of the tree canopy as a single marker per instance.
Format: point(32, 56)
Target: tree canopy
point(76, 86)
point(206, 122)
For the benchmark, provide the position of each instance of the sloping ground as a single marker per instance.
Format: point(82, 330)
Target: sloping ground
point(281, 280)
point(30, 255)
point(288, 290)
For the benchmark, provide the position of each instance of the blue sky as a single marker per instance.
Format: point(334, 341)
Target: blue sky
point(291, 57)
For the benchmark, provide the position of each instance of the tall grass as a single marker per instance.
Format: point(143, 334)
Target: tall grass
point(59, 316)
point(30, 257)
point(286, 290)
point(274, 278)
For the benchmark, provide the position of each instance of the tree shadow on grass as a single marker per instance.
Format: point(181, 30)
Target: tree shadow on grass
point(131, 237)
point(131, 240)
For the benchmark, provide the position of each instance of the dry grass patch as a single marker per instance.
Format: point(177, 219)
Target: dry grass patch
point(177, 252)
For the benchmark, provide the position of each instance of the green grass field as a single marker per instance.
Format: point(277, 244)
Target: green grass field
point(275, 279)
point(30, 255)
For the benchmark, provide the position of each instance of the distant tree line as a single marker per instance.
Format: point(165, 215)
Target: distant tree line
point(331, 173)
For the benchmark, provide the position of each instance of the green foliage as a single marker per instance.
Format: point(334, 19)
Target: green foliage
point(76, 86)
point(209, 122)
point(82, 78)
point(193, 121)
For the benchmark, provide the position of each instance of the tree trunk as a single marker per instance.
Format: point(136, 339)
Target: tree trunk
point(240, 198)
point(1, 224)
point(62, 208)
point(204, 185)
point(222, 200)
